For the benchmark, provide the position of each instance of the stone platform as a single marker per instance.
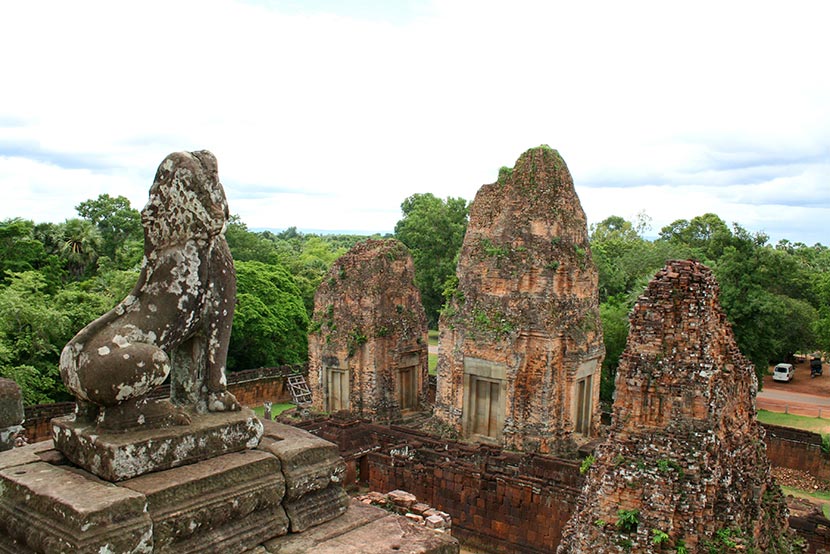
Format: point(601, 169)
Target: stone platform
point(365, 529)
point(233, 502)
point(116, 456)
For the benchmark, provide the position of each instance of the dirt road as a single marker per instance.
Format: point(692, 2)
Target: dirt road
point(804, 395)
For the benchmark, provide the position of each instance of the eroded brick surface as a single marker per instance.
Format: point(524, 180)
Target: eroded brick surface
point(685, 462)
point(368, 345)
point(523, 327)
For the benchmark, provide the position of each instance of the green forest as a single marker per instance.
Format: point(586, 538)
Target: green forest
point(57, 277)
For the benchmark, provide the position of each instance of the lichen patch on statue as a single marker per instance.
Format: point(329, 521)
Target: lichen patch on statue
point(177, 318)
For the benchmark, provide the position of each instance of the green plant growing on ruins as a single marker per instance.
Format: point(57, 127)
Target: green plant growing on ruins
point(492, 250)
point(450, 291)
point(659, 536)
point(356, 340)
point(665, 465)
point(553, 266)
point(600, 522)
point(382, 331)
point(626, 544)
point(618, 460)
point(723, 541)
point(504, 174)
point(498, 323)
point(481, 320)
point(581, 256)
point(586, 464)
point(628, 520)
point(680, 547)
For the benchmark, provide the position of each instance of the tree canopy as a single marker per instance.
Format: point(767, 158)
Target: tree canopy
point(433, 230)
point(775, 297)
point(271, 323)
point(57, 277)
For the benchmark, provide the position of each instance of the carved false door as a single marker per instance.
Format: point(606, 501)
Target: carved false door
point(486, 408)
point(407, 388)
point(338, 389)
point(584, 407)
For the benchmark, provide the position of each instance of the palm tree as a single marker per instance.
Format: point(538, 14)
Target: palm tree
point(81, 244)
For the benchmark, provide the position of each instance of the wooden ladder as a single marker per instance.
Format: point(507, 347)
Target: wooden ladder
point(299, 390)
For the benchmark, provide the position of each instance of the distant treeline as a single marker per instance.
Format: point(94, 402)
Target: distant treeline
point(57, 277)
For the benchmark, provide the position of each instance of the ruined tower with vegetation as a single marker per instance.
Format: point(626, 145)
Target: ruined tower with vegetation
point(684, 468)
point(521, 340)
point(368, 337)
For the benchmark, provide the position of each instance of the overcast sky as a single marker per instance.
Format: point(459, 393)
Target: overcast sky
point(327, 114)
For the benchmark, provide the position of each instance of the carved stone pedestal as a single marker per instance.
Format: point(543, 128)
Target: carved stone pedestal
point(115, 456)
point(232, 502)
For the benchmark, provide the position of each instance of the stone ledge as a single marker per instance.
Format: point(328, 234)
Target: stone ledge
point(316, 507)
point(309, 463)
point(60, 509)
point(120, 456)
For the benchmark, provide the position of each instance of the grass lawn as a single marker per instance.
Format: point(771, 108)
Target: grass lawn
point(795, 421)
point(433, 362)
point(432, 337)
point(276, 409)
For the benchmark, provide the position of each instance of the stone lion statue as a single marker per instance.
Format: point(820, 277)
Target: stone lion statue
point(178, 316)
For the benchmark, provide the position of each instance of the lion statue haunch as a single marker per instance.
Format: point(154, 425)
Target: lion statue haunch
point(178, 317)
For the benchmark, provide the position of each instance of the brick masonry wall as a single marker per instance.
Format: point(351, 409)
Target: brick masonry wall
point(251, 387)
point(499, 501)
point(796, 449)
point(490, 510)
point(505, 501)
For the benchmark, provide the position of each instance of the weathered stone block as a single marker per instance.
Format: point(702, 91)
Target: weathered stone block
point(37, 452)
point(316, 507)
point(309, 463)
point(56, 509)
point(118, 456)
point(231, 500)
point(402, 499)
point(11, 403)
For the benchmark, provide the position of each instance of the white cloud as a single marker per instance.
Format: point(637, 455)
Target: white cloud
point(361, 112)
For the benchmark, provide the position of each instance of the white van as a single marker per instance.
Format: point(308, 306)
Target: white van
point(783, 372)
